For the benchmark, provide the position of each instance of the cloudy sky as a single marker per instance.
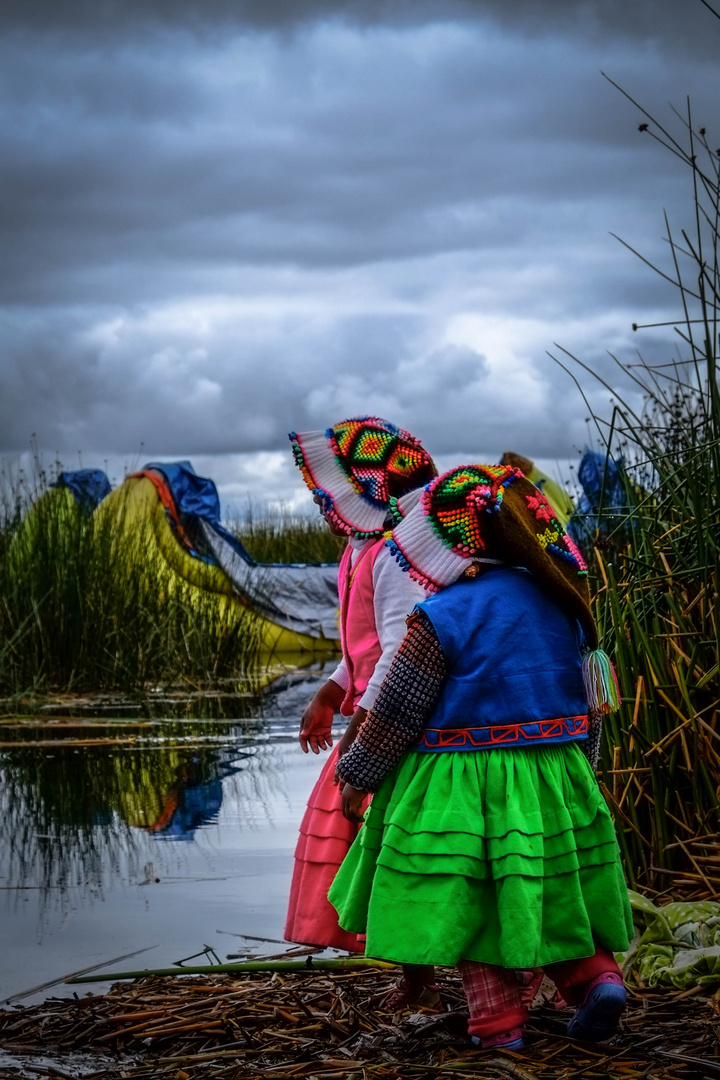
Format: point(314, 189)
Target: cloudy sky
point(226, 219)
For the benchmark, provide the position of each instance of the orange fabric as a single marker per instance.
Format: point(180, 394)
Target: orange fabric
point(165, 496)
point(172, 801)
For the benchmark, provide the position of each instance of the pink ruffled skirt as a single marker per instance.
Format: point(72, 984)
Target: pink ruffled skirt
point(324, 841)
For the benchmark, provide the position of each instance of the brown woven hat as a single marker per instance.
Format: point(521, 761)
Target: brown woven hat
point(528, 533)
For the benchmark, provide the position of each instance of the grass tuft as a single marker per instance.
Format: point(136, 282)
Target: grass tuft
point(86, 604)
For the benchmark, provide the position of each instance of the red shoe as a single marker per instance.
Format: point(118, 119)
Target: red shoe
point(503, 1040)
point(405, 994)
point(530, 984)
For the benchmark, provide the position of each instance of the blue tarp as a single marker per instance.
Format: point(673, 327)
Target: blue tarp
point(198, 805)
point(593, 468)
point(196, 497)
point(297, 596)
point(198, 799)
point(89, 486)
point(601, 478)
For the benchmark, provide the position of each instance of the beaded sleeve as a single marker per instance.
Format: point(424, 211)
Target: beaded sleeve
point(402, 708)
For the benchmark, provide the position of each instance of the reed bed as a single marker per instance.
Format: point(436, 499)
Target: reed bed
point(87, 606)
point(655, 562)
point(332, 1024)
point(286, 537)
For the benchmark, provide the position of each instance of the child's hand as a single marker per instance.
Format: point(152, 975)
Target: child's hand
point(316, 727)
point(316, 721)
point(352, 800)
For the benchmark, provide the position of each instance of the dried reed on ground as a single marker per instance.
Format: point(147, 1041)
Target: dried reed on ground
point(323, 1025)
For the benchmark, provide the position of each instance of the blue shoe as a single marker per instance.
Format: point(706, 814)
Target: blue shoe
point(514, 1044)
point(597, 1018)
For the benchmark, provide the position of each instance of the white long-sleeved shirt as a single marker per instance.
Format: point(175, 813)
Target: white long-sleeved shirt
point(395, 594)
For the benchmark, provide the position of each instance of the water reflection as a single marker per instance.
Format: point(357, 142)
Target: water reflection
point(190, 803)
point(87, 804)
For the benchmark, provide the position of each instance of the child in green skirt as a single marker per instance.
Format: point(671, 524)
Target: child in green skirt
point(488, 844)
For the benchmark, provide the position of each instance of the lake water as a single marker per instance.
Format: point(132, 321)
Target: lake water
point(174, 842)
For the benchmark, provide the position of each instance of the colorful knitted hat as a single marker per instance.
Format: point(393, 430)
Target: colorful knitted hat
point(489, 513)
point(493, 514)
point(357, 467)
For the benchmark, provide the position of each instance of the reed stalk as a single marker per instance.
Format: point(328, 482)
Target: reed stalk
point(287, 537)
point(298, 967)
point(655, 562)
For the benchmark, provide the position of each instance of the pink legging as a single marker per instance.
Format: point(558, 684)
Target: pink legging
point(493, 993)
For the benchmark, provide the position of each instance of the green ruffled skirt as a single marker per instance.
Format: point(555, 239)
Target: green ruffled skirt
point(503, 856)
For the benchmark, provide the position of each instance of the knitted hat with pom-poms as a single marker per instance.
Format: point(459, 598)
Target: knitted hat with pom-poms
point(493, 514)
point(357, 467)
point(438, 529)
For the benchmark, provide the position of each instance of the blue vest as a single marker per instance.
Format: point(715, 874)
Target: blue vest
point(515, 667)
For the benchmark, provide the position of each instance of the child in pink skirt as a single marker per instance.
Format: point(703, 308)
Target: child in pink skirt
point(353, 469)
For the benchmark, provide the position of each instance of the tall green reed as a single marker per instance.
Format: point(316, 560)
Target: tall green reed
point(656, 566)
point(283, 536)
point(86, 605)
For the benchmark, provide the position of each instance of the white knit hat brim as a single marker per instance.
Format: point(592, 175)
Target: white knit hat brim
point(349, 507)
point(407, 502)
point(431, 561)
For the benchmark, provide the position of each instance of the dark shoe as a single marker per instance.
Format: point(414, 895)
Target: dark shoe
point(597, 1018)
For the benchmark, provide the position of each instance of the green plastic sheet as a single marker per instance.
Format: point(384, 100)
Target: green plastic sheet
point(677, 945)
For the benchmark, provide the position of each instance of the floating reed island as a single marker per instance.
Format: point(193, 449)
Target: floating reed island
point(136, 593)
point(331, 1024)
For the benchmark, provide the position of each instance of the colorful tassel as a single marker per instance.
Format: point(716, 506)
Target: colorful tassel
point(601, 684)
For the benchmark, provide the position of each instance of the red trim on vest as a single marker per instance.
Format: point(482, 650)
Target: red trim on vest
point(504, 734)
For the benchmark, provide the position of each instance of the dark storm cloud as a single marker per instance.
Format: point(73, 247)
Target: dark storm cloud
point(163, 157)
point(642, 19)
point(229, 220)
